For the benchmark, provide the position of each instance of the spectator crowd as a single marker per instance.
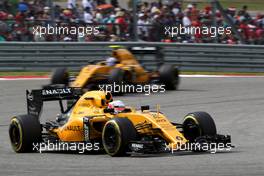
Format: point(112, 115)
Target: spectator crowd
point(19, 17)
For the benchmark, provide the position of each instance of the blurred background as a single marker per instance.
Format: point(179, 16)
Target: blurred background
point(133, 20)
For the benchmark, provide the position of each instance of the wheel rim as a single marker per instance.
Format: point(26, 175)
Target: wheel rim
point(111, 138)
point(15, 135)
point(191, 129)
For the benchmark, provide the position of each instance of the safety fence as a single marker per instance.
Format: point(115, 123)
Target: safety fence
point(38, 56)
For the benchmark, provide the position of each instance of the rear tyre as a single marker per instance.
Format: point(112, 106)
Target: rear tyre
point(60, 76)
point(169, 76)
point(117, 133)
point(24, 131)
point(116, 77)
point(198, 124)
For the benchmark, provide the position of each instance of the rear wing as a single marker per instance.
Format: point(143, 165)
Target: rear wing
point(149, 50)
point(35, 98)
point(145, 49)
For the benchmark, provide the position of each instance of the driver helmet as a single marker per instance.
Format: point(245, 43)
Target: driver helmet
point(117, 105)
point(111, 61)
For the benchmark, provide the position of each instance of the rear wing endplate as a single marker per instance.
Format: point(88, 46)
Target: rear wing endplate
point(35, 98)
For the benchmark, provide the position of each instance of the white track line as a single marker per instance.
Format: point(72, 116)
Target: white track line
point(222, 76)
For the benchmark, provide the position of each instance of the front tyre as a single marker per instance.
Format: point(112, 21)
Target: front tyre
point(198, 124)
point(24, 131)
point(117, 134)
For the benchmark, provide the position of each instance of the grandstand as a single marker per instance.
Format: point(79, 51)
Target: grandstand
point(114, 20)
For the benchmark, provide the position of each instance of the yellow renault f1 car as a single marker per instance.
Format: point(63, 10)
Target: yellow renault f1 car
point(90, 120)
point(125, 70)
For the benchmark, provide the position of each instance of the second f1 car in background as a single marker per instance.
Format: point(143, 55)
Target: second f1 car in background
point(122, 68)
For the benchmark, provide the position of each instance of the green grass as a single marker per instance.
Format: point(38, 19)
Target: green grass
point(253, 5)
point(257, 5)
point(21, 73)
point(221, 73)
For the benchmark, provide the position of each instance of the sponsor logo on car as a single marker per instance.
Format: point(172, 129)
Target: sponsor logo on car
point(72, 128)
point(56, 91)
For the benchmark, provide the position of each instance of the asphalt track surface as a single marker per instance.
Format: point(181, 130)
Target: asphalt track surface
point(236, 104)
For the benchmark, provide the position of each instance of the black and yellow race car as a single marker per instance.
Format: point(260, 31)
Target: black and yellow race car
point(126, 69)
point(116, 130)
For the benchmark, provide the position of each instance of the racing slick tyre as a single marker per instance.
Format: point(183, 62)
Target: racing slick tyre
point(24, 131)
point(169, 76)
point(198, 124)
point(116, 78)
point(117, 133)
point(60, 76)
